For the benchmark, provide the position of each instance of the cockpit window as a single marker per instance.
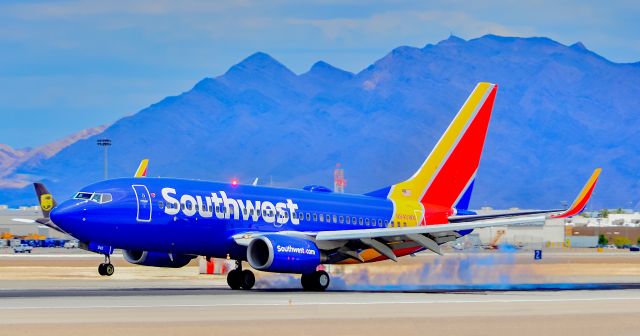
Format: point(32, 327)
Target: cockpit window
point(95, 197)
point(83, 195)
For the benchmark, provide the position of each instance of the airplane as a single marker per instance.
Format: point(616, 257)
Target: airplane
point(167, 222)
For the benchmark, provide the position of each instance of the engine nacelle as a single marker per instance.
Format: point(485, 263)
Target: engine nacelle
point(283, 254)
point(157, 259)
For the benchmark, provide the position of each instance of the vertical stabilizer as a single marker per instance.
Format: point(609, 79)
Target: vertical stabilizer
point(445, 179)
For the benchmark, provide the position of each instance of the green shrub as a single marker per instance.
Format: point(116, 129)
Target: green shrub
point(602, 240)
point(619, 241)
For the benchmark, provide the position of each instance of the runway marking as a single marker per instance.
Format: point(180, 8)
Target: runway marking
point(294, 303)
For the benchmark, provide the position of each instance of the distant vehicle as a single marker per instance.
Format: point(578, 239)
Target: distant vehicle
point(71, 244)
point(634, 248)
point(611, 246)
point(22, 248)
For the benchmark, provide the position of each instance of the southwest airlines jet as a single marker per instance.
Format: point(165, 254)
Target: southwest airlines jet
point(166, 222)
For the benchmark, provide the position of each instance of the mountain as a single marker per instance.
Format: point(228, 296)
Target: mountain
point(560, 112)
point(11, 159)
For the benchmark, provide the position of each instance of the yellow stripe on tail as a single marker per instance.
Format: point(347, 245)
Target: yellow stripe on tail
point(142, 168)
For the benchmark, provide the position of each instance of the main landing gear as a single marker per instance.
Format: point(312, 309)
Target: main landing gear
point(106, 268)
point(239, 278)
point(317, 281)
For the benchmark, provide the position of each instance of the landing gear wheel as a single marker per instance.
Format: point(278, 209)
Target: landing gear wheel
point(247, 279)
point(106, 268)
point(233, 279)
point(109, 269)
point(317, 281)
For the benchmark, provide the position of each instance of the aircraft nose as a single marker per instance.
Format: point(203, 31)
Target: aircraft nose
point(66, 214)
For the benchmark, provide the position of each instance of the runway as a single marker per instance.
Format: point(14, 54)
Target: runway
point(219, 311)
point(452, 295)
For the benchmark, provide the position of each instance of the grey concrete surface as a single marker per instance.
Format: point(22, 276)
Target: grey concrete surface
point(218, 311)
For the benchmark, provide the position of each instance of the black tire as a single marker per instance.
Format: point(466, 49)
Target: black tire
point(233, 279)
point(247, 279)
point(101, 269)
point(109, 269)
point(317, 281)
point(322, 281)
point(304, 280)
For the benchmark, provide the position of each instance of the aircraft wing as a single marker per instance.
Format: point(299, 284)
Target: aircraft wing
point(438, 228)
point(349, 242)
point(475, 218)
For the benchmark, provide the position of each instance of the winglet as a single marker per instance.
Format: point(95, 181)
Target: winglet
point(142, 168)
point(580, 202)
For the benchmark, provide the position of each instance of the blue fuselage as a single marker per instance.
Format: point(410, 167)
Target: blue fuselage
point(200, 218)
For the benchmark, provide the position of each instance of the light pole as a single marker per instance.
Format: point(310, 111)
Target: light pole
point(104, 143)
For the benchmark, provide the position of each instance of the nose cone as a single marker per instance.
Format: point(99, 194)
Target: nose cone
point(67, 215)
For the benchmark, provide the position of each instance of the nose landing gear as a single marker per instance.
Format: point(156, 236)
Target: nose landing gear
point(106, 268)
point(238, 278)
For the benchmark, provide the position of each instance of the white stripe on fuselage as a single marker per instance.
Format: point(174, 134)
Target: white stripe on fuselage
point(254, 209)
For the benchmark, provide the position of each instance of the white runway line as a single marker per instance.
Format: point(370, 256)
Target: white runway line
point(328, 303)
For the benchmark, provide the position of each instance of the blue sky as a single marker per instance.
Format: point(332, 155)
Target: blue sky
point(70, 65)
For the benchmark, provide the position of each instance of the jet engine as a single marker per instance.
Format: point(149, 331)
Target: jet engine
point(283, 254)
point(157, 259)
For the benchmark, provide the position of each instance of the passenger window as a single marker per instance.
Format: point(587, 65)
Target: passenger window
point(335, 218)
point(315, 217)
point(360, 220)
point(244, 211)
point(321, 217)
point(308, 216)
point(160, 204)
point(366, 221)
point(328, 218)
point(189, 206)
point(353, 220)
point(380, 222)
point(341, 219)
point(182, 206)
point(196, 207)
point(348, 220)
point(386, 222)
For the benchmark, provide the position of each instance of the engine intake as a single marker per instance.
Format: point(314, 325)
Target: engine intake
point(157, 259)
point(283, 254)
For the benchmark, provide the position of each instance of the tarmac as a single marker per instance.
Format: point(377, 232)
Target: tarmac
point(64, 296)
point(219, 311)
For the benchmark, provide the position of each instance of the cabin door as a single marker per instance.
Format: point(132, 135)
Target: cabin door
point(143, 200)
